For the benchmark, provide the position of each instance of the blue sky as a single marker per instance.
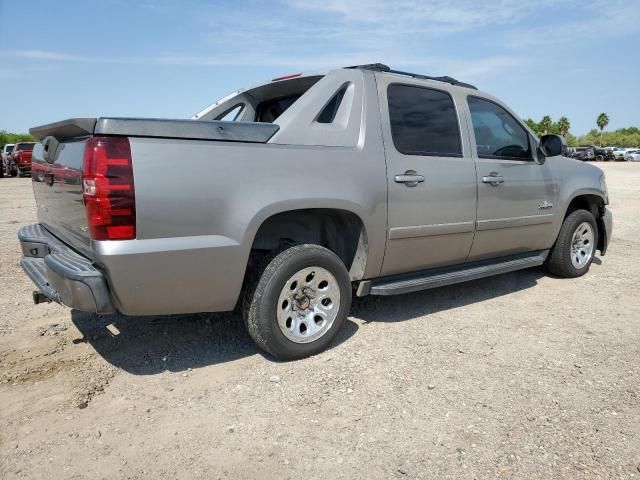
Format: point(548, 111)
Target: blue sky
point(170, 58)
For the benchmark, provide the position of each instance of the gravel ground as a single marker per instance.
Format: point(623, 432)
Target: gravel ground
point(517, 376)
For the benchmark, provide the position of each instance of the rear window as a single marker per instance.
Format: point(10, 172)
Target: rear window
point(423, 121)
point(269, 110)
point(25, 146)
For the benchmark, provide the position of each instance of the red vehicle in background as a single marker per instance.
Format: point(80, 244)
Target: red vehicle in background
point(20, 163)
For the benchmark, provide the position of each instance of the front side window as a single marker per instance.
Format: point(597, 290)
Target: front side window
point(423, 121)
point(498, 134)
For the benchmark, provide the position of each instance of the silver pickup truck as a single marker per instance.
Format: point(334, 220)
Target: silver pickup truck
point(286, 198)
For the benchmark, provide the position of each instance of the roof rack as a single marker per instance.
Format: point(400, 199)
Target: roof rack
point(380, 67)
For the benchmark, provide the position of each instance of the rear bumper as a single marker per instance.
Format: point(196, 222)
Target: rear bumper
point(61, 274)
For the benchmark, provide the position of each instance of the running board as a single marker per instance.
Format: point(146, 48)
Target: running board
point(413, 282)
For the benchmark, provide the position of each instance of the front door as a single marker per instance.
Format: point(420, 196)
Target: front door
point(517, 196)
point(431, 178)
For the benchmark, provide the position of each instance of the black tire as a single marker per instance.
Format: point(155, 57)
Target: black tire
point(559, 261)
point(263, 289)
point(1, 169)
point(14, 173)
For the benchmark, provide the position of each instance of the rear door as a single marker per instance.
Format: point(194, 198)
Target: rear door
point(430, 174)
point(517, 196)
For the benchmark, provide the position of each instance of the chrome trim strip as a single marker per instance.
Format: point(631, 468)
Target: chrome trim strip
point(496, 223)
point(430, 230)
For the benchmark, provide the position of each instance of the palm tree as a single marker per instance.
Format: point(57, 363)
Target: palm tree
point(602, 122)
point(545, 124)
point(563, 126)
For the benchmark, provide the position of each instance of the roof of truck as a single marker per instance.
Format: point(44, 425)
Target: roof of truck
point(381, 67)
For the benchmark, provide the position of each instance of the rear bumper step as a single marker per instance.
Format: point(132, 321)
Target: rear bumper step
point(398, 284)
point(61, 274)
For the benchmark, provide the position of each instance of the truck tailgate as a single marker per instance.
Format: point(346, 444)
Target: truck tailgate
point(57, 188)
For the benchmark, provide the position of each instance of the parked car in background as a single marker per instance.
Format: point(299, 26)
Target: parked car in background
point(584, 153)
point(21, 159)
point(603, 154)
point(619, 153)
point(363, 179)
point(632, 156)
point(5, 157)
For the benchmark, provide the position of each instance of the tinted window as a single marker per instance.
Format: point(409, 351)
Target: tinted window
point(498, 134)
point(328, 114)
point(231, 115)
point(25, 146)
point(269, 110)
point(423, 121)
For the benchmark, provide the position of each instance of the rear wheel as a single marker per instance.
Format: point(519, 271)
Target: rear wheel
point(1, 169)
point(575, 247)
point(295, 305)
point(14, 172)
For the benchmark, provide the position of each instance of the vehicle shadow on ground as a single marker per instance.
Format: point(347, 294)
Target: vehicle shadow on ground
point(150, 345)
point(399, 308)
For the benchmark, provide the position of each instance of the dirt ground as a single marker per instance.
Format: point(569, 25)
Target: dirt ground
point(517, 376)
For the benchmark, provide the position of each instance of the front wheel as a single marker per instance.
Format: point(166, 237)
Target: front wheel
point(296, 305)
point(575, 247)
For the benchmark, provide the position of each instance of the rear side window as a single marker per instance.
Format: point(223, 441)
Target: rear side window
point(329, 112)
point(231, 115)
point(423, 121)
point(498, 134)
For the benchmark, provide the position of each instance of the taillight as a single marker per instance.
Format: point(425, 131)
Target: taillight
point(107, 188)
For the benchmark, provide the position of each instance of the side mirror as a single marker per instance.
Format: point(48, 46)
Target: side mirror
point(553, 145)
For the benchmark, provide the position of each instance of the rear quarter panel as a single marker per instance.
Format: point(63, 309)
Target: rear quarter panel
point(200, 203)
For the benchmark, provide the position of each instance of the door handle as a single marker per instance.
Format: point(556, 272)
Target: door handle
point(410, 178)
point(493, 178)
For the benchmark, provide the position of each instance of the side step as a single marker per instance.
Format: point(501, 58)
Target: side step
point(413, 282)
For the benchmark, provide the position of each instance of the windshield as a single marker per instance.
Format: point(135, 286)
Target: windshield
point(9, 148)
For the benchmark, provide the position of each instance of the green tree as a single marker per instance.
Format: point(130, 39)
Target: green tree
point(563, 126)
point(533, 125)
point(546, 124)
point(6, 137)
point(602, 121)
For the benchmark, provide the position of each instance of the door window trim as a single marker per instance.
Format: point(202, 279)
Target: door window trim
point(458, 123)
point(498, 157)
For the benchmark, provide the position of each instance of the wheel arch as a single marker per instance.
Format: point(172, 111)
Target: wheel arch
point(593, 202)
point(337, 227)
